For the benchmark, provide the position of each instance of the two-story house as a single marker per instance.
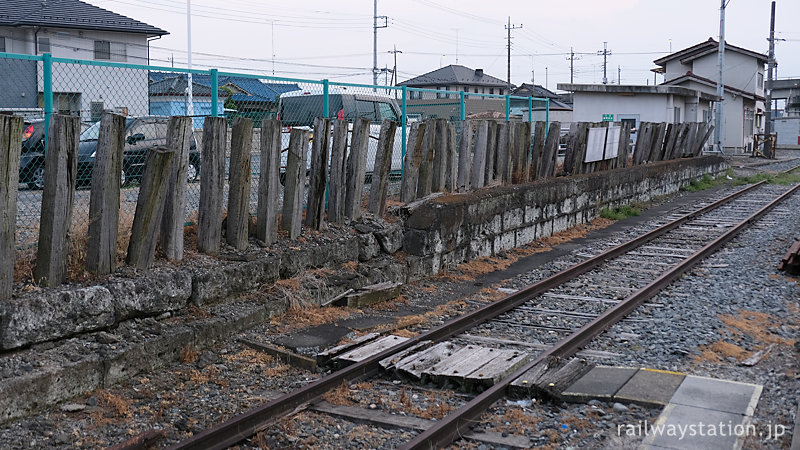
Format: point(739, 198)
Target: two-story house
point(454, 78)
point(76, 30)
point(697, 68)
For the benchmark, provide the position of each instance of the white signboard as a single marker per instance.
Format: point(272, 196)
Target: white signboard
point(595, 144)
point(612, 142)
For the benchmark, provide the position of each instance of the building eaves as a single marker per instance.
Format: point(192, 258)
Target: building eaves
point(454, 74)
point(627, 89)
point(70, 14)
point(711, 83)
point(705, 48)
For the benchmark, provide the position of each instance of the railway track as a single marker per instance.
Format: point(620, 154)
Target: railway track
point(545, 324)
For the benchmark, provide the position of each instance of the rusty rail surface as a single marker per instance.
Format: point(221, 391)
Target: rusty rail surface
point(247, 424)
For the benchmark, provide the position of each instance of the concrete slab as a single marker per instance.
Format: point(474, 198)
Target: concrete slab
point(650, 387)
point(720, 395)
point(600, 383)
point(690, 427)
point(363, 323)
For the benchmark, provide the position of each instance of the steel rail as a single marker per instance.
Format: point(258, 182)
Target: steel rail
point(247, 424)
point(454, 425)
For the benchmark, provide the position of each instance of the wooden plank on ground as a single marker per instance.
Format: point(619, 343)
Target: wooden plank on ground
point(389, 362)
point(282, 354)
point(212, 184)
point(10, 146)
point(237, 227)
point(318, 179)
point(293, 193)
point(179, 138)
point(60, 172)
point(372, 348)
point(479, 155)
point(324, 357)
point(549, 378)
point(101, 254)
point(149, 207)
point(465, 156)
point(414, 365)
point(269, 182)
point(383, 166)
point(373, 293)
point(337, 186)
point(412, 161)
point(501, 365)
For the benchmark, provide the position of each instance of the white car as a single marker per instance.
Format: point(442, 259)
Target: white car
point(298, 109)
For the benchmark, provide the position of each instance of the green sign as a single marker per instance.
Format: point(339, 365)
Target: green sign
point(608, 117)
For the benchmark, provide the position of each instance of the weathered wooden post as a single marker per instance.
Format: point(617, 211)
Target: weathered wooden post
point(490, 166)
point(523, 151)
point(149, 207)
point(624, 145)
point(179, 138)
point(479, 158)
point(440, 156)
point(425, 177)
point(10, 145)
point(237, 224)
point(538, 149)
point(465, 156)
point(337, 188)
point(101, 255)
point(269, 182)
point(212, 184)
point(315, 211)
point(60, 171)
point(294, 188)
point(411, 164)
point(582, 135)
point(504, 159)
point(451, 181)
point(356, 168)
point(383, 167)
point(550, 152)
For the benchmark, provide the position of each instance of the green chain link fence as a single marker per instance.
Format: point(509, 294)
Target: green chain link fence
point(36, 87)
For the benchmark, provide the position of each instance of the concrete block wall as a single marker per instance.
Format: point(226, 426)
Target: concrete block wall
point(453, 229)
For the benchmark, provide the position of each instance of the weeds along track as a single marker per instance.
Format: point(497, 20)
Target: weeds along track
point(532, 330)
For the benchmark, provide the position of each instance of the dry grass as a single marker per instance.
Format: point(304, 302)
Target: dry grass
point(339, 396)
point(296, 318)
point(757, 325)
point(118, 406)
point(518, 422)
point(189, 354)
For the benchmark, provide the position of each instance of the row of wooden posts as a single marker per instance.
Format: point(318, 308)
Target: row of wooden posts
point(488, 152)
point(663, 141)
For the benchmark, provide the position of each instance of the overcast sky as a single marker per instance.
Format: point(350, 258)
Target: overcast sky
point(317, 39)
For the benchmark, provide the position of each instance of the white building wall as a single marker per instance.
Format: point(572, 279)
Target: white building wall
point(590, 107)
point(79, 44)
point(788, 130)
point(741, 71)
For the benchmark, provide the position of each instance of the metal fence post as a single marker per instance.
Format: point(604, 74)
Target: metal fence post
point(214, 93)
point(325, 98)
point(530, 109)
point(508, 107)
point(47, 92)
point(546, 117)
point(463, 114)
point(404, 125)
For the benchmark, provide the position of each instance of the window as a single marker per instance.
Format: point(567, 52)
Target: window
point(677, 118)
point(441, 94)
point(386, 112)
point(491, 90)
point(749, 115)
point(706, 115)
point(119, 52)
point(44, 45)
point(3, 44)
point(760, 80)
point(102, 50)
point(476, 91)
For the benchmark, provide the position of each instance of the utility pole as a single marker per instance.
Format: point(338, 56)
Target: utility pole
point(546, 78)
point(770, 67)
point(189, 84)
point(375, 17)
point(605, 52)
point(720, 81)
point(510, 27)
point(619, 75)
point(394, 71)
point(571, 58)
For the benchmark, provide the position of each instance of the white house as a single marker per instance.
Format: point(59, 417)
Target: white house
point(635, 103)
point(697, 68)
point(75, 30)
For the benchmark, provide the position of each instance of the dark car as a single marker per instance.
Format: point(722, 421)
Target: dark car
point(141, 133)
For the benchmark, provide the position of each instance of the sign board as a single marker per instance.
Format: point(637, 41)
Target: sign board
point(595, 144)
point(608, 117)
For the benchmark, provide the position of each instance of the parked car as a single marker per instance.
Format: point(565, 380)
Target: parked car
point(141, 133)
point(298, 109)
